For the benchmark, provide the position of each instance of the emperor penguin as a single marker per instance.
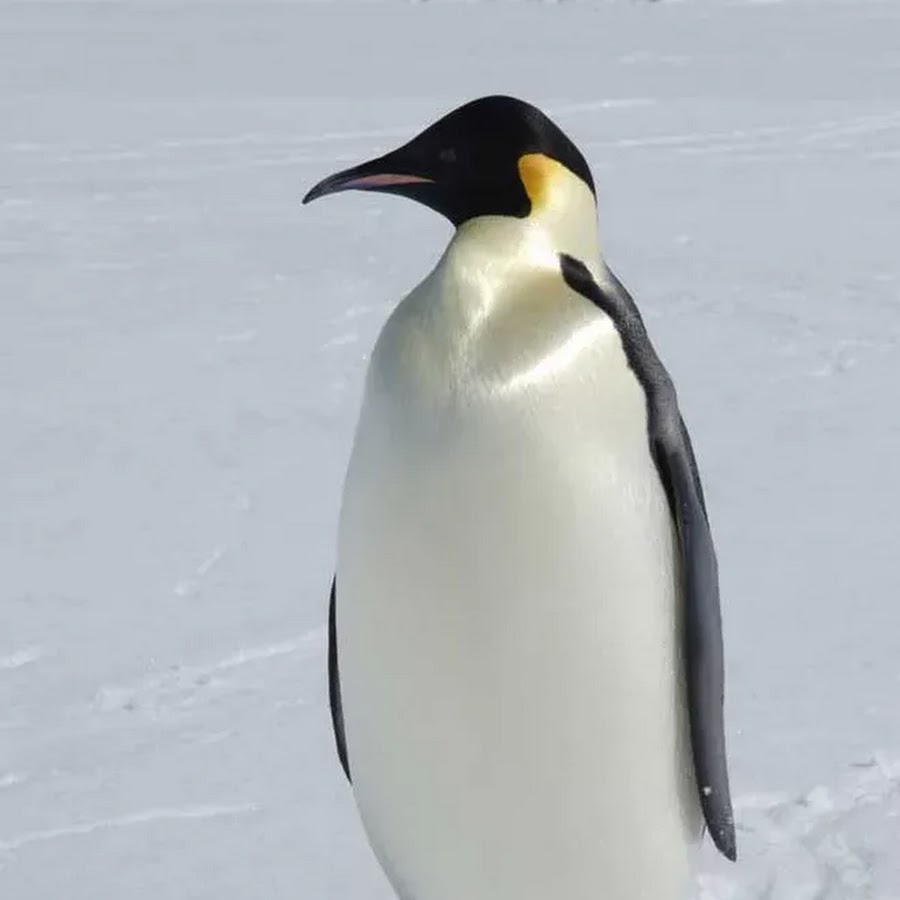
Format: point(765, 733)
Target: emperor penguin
point(525, 648)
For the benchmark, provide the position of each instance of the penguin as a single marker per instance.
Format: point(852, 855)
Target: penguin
point(525, 657)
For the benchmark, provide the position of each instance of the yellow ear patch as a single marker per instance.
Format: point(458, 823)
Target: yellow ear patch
point(538, 172)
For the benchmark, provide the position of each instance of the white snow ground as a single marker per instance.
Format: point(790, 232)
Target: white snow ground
point(181, 348)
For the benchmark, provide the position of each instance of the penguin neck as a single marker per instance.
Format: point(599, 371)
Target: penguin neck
point(491, 258)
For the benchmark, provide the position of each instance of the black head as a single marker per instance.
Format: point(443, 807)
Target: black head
point(470, 163)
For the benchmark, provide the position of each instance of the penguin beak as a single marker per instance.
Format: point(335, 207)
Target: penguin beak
point(389, 174)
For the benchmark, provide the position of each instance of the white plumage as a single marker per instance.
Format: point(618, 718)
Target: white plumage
point(508, 622)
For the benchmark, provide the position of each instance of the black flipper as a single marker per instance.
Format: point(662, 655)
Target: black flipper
point(670, 446)
point(334, 683)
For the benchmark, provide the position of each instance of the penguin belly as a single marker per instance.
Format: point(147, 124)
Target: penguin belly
point(509, 644)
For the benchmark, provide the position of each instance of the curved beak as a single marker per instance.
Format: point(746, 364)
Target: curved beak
point(389, 173)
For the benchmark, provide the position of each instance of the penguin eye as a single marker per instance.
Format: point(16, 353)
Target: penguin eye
point(447, 155)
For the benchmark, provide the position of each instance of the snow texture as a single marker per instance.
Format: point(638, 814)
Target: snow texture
point(181, 351)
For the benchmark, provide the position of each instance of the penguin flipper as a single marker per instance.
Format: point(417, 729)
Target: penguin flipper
point(703, 653)
point(334, 683)
point(670, 446)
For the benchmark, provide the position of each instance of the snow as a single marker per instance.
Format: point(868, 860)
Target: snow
point(181, 351)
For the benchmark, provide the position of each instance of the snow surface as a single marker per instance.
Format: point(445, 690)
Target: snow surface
point(181, 351)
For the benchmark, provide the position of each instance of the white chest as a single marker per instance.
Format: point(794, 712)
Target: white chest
point(507, 612)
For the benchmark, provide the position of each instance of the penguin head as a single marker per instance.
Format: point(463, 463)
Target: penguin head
point(496, 156)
